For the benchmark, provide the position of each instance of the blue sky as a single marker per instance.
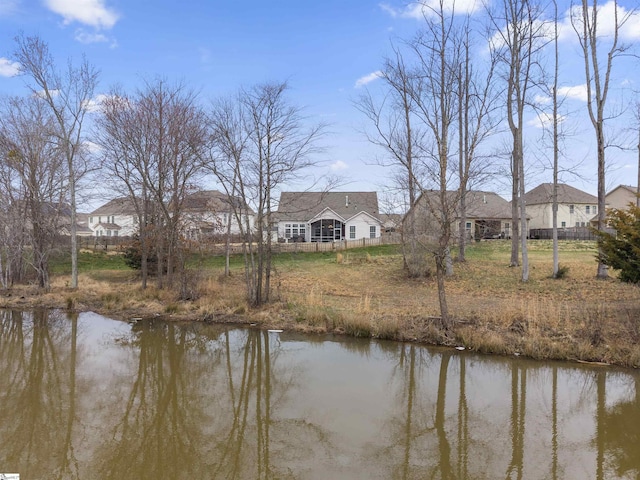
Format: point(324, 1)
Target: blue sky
point(325, 50)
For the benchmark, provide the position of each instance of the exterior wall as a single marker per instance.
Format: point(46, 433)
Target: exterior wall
point(365, 227)
point(191, 220)
point(127, 223)
point(620, 199)
point(288, 229)
point(573, 215)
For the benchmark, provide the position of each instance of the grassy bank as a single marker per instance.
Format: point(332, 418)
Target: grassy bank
point(364, 292)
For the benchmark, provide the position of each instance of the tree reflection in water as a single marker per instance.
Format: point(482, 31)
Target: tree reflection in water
point(196, 402)
point(37, 369)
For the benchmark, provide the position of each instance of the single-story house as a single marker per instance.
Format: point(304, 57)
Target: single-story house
point(575, 207)
point(328, 216)
point(621, 196)
point(488, 215)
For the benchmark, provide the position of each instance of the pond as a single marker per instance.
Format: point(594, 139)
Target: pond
point(87, 397)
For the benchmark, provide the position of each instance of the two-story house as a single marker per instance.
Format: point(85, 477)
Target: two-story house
point(575, 207)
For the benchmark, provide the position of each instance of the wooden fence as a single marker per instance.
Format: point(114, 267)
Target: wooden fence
point(218, 248)
point(295, 247)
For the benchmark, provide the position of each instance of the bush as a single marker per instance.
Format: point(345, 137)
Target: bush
point(621, 250)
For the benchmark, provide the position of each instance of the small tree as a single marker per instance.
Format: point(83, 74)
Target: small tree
point(621, 250)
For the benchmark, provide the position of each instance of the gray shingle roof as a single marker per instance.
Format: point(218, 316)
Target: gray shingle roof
point(566, 194)
point(117, 206)
point(212, 200)
point(480, 204)
point(306, 205)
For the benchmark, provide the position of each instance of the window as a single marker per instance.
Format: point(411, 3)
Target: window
point(99, 219)
point(372, 231)
point(571, 208)
point(583, 224)
point(292, 230)
point(90, 219)
point(587, 209)
point(563, 224)
point(577, 224)
point(595, 209)
point(115, 233)
point(108, 233)
point(352, 231)
point(468, 226)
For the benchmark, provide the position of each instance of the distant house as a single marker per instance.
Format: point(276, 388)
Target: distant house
point(575, 207)
point(328, 216)
point(210, 212)
point(116, 218)
point(488, 215)
point(621, 196)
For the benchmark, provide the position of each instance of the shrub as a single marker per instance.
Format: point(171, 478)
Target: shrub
point(621, 250)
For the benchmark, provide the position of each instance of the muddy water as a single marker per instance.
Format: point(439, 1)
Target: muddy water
point(87, 397)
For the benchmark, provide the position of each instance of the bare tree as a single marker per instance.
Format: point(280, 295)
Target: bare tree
point(437, 49)
point(33, 176)
point(261, 143)
point(399, 134)
point(126, 158)
point(517, 39)
point(68, 96)
point(476, 102)
point(587, 26)
point(226, 159)
point(156, 137)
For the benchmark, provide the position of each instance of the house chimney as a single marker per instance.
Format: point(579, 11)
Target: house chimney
point(346, 201)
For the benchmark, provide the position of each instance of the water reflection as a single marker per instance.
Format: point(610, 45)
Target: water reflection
point(90, 398)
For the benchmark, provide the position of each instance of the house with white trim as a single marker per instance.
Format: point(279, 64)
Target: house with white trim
point(328, 216)
point(575, 207)
point(209, 213)
point(116, 218)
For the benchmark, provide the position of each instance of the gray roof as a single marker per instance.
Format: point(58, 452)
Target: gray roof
point(212, 200)
point(480, 204)
point(117, 206)
point(566, 194)
point(306, 205)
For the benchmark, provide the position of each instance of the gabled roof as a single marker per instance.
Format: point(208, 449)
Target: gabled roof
point(630, 188)
point(567, 194)
point(480, 204)
point(306, 205)
point(212, 201)
point(117, 206)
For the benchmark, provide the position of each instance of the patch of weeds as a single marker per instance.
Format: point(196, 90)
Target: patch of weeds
point(172, 308)
point(562, 272)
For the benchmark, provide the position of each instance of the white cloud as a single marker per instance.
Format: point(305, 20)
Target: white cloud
point(85, 37)
point(544, 120)
point(95, 104)
point(542, 100)
point(577, 92)
point(89, 12)
point(8, 68)
point(338, 165)
point(362, 81)
point(422, 9)
point(630, 30)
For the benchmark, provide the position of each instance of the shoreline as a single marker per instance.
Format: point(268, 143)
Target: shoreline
point(474, 336)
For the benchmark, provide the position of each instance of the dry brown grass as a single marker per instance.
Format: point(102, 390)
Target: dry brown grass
point(576, 317)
